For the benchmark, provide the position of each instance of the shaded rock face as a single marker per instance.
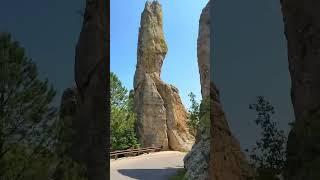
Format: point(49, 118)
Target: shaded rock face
point(92, 123)
point(197, 160)
point(68, 110)
point(216, 153)
point(161, 116)
point(68, 105)
point(226, 159)
point(302, 30)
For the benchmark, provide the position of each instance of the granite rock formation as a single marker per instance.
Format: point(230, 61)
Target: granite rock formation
point(302, 30)
point(227, 161)
point(161, 116)
point(216, 153)
point(197, 160)
point(89, 145)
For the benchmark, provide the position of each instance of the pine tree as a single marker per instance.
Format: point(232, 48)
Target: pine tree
point(123, 118)
point(26, 113)
point(268, 155)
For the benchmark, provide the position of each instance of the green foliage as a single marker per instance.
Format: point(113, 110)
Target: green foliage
point(28, 119)
point(67, 169)
point(194, 113)
point(26, 115)
point(122, 116)
point(119, 94)
point(268, 155)
point(25, 163)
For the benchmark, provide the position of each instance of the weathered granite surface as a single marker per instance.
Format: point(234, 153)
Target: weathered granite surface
point(161, 116)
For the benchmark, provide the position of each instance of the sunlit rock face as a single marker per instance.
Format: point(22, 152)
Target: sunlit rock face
point(161, 116)
point(91, 125)
point(302, 30)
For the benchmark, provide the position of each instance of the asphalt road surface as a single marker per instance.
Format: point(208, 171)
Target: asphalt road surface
point(154, 166)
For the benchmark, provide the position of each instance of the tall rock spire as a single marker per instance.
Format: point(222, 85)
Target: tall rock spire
point(302, 30)
point(152, 47)
point(91, 125)
point(161, 116)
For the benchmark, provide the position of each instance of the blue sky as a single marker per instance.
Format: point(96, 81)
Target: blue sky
point(48, 30)
point(181, 20)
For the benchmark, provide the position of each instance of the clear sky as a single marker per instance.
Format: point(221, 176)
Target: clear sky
point(181, 21)
point(250, 59)
point(249, 48)
point(48, 30)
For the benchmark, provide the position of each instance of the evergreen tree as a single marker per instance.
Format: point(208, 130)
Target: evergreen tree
point(194, 114)
point(123, 118)
point(26, 114)
point(268, 155)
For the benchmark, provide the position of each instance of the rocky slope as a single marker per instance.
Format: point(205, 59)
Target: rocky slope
point(302, 30)
point(161, 116)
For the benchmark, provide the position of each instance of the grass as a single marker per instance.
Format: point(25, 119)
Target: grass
point(179, 176)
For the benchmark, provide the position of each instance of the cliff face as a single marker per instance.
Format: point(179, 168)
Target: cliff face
point(161, 116)
point(302, 30)
point(196, 161)
point(92, 123)
point(227, 161)
point(216, 153)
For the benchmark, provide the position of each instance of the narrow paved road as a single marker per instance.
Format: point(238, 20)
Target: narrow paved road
point(154, 166)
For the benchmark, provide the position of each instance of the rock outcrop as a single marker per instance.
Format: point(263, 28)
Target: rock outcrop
point(227, 161)
point(92, 123)
point(216, 153)
point(302, 30)
point(68, 110)
point(161, 116)
point(197, 160)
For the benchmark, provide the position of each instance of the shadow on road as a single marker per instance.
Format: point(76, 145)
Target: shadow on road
point(147, 174)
